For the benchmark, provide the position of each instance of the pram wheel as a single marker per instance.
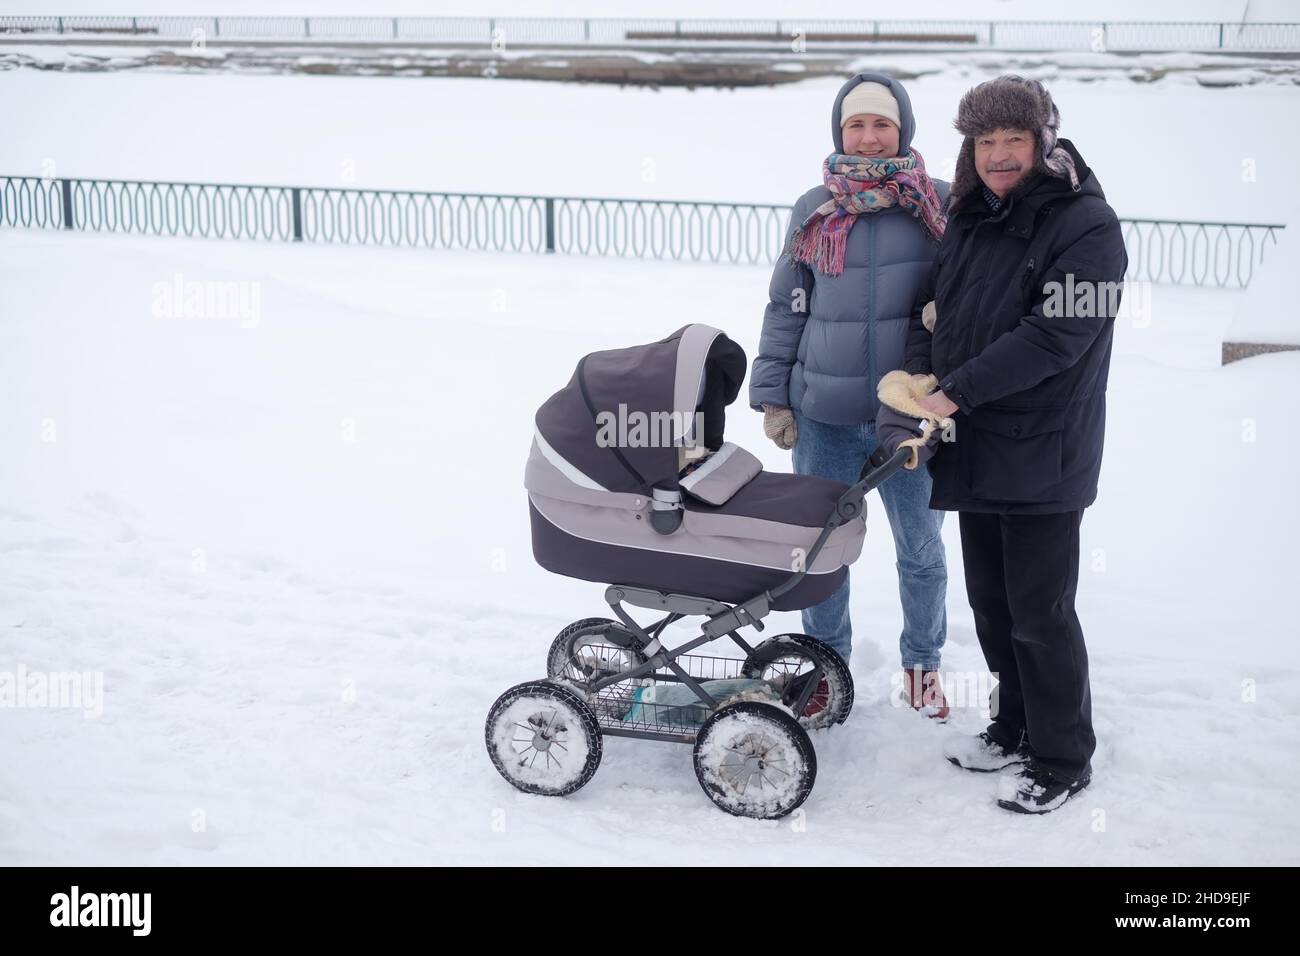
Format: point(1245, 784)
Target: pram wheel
point(754, 760)
point(543, 738)
point(788, 662)
point(590, 649)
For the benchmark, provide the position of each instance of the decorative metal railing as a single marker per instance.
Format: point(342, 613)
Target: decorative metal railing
point(1160, 250)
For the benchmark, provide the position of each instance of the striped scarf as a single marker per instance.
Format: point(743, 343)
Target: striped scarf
point(859, 185)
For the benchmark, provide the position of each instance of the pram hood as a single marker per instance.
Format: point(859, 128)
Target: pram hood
point(619, 422)
point(604, 466)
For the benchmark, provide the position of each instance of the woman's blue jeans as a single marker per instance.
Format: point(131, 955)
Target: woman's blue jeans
point(838, 451)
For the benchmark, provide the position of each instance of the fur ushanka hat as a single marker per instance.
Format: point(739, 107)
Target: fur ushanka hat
point(1009, 102)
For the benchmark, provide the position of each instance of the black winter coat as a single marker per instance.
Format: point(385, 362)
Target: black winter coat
point(1026, 361)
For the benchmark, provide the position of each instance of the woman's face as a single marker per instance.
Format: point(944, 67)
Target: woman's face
point(867, 134)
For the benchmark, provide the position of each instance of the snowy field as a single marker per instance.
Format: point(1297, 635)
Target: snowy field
point(300, 634)
point(751, 145)
point(294, 540)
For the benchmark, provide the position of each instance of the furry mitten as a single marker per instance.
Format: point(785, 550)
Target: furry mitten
point(902, 422)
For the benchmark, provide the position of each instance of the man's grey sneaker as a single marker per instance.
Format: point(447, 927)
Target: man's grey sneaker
point(1034, 790)
point(981, 753)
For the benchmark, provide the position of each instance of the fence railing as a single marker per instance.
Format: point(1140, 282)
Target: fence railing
point(1160, 250)
point(1095, 35)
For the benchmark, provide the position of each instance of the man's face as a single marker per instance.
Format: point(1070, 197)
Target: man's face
point(866, 134)
point(1003, 158)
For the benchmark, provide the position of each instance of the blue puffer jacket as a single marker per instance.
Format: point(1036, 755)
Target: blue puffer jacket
point(827, 360)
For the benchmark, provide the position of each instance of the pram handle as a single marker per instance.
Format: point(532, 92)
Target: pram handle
point(879, 466)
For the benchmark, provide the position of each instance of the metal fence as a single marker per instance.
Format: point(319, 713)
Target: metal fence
point(1160, 250)
point(1095, 35)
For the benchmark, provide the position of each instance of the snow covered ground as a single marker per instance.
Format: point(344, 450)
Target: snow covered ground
point(294, 541)
point(293, 538)
point(443, 135)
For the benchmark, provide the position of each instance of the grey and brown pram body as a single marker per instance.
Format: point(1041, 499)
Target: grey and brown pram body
point(741, 531)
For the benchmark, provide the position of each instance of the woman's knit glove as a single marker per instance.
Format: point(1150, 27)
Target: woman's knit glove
point(902, 422)
point(778, 425)
point(928, 316)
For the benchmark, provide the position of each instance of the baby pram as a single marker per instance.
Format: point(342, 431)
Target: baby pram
point(631, 483)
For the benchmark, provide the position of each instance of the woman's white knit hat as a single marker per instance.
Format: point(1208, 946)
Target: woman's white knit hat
point(869, 97)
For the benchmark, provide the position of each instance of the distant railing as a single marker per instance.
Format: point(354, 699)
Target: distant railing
point(1095, 35)
point(1160, 250)
point(1178, 252)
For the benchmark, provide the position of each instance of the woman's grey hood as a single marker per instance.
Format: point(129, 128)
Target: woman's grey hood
point(906, 125)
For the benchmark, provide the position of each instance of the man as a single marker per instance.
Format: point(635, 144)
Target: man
point(1025, 289)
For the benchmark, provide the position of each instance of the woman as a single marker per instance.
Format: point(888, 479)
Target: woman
point(861, 247)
